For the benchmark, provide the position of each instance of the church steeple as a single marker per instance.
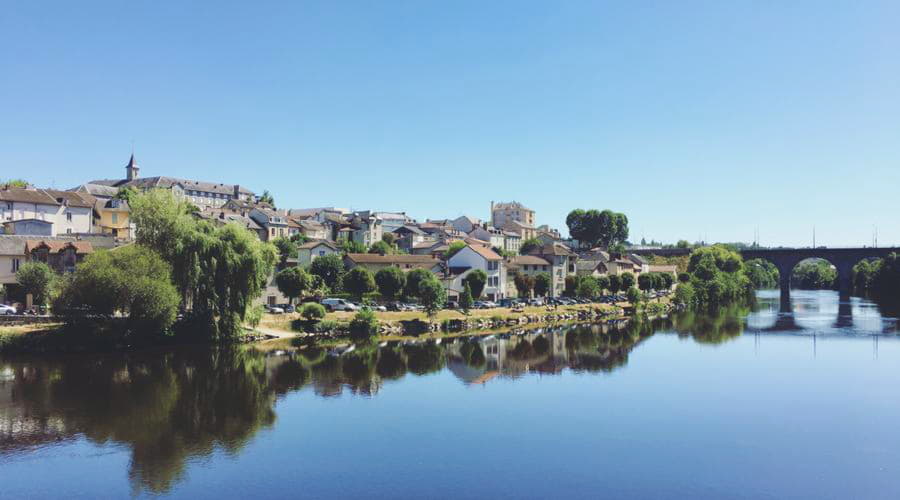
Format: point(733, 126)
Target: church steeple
point(132, 169)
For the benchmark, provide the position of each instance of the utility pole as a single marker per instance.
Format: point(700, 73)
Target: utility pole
point(814, 236)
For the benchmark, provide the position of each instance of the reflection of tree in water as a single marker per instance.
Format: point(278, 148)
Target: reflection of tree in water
point(391, 364)
point(165, 407)
point(472, 353)
point(714, 327)
point(598, 351)
point(171, 406)
point(422, 359)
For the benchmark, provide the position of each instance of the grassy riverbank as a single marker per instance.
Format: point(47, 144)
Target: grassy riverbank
point(56, 337)
point(294, 324)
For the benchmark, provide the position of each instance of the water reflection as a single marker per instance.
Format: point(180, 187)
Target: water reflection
point(170, 407)
point(821, 312)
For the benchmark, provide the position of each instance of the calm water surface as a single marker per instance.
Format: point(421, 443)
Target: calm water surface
point(741, 404)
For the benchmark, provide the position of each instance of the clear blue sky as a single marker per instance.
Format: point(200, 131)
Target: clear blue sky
point(694, 118)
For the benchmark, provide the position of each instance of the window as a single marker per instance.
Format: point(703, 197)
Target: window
point(15, 265)
point(321, 253)
point(115, 218)
point(68, 230)
point(69, 216)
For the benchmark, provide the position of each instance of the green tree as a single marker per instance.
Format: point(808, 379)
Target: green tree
point(524, 284)
point(37, 279)
point(432, 296)
point(287, 249)
point(476, 280)
point(646, 282)
point(587, 287)
point(350, 246)
point(593, 227)
point(633, 295)
point(717, 276)
point(762, 273)
point(454, 247)
point(127, 193)
point(381, 248)
point(529, 245)
point(542, 284)
point(390, 239)
point(14, 183)
point(267, 198)
point(603, 282)
point(615, 283)
point(132, 280)
point(390, 281)
point(218, 270)
point(329, 268)
point(413, 279)
point(292, 282)
point(359, 281)
point(465, 300)
point(814, 274)
point(627, 280)
point(312, 311)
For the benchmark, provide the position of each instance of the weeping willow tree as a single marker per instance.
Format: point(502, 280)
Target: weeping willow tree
point(218, 270)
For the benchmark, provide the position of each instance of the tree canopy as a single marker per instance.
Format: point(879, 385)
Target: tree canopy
point(390, 281)
point(218, 270)
point(329, 268)
point(593, 227)
point(37, 279)
point(292, 282)
point(524, 284)
point(359, 281)
point(542, 284)
point(132, 280)
point(529, 245)
point(476, 280)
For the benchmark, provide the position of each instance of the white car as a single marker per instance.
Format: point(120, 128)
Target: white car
point(338, 305)
point(5, 309)
point(275, 310)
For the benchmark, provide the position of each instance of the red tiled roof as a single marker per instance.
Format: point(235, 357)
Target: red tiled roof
point(485, 252)
point(56, 246)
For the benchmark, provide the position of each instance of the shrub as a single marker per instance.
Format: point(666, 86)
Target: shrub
point(312, 311)
point(364, 325)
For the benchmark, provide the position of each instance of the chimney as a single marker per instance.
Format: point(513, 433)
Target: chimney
point(237, 192)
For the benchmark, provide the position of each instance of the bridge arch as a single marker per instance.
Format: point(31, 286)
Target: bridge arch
point(843, 259)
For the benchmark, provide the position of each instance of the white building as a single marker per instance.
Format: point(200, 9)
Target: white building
point(481, 257)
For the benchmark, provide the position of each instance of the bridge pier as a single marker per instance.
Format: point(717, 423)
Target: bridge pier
point(784, 283)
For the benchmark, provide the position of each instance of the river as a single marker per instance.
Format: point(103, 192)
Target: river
point(738, 404)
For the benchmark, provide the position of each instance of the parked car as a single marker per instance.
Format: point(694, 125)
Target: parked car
point(378, 308)
point(451, 304)
point(275, 310)
point(338, 305)
point(396, 306)
point(7, 310)
point(288, 308)
point(536, 302)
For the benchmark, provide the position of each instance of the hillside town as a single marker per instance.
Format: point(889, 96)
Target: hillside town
point(60, 228)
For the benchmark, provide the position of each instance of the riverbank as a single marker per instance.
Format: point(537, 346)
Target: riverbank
point(402, 324)
point(57, 337)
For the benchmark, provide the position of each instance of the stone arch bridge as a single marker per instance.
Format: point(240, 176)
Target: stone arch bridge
point(786, 259)
point(843, 259)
